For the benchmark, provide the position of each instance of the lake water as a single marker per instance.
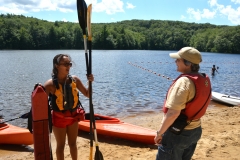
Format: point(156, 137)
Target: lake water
point(122, 86)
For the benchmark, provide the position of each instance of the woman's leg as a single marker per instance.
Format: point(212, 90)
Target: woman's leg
point(72, 132)
point(60, 135)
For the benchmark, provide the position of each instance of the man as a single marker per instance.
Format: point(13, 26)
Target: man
point(186, 102)
point(214, 69)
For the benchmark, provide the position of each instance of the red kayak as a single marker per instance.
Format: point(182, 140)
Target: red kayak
point(10, 134)
point(111, 126)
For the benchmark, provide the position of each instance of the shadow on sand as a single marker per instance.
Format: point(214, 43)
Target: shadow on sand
point(18, 148)
point(115, 140)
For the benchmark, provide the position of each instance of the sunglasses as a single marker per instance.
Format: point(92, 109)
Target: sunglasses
point(66, 64)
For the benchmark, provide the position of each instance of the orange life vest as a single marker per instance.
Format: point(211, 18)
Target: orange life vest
point(70, 102)
point(197, 107)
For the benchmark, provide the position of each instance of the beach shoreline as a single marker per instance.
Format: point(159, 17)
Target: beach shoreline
point(220, 139)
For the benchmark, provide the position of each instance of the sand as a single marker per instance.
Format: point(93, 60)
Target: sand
point(220, 139)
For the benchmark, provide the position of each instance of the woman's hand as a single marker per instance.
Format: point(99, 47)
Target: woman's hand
point(90, 77)
point(158, 139)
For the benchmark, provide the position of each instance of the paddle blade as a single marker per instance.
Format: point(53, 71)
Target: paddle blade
point(89, 14)
point(82, 14)
point(98, 154)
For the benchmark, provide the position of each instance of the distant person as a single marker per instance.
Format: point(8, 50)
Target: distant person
point(214, 69)
point(186, 102)
point(63, 90)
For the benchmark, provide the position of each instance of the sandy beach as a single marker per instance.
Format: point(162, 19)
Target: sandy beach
point(220, 139)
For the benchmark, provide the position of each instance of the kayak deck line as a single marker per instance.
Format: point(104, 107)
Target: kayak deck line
point(232, 97)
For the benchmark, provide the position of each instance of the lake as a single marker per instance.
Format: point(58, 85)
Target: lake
point(123, 85)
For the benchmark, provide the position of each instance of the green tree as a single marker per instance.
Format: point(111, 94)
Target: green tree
point(53, 38)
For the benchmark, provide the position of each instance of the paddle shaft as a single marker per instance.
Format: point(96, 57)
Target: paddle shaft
point(9, 120)
point(90, 97)
point(82, 10)
point(82, 15)
point(98, 154)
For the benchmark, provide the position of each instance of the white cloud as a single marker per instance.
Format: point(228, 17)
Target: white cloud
point(25, 6)
point(13, 9)
point(233, 14)
point(64, 20)
point(212, 2)
point(198, 15)
point(183, 17)
point(110, 7)
point(208, 14)
point(236, 1)
point(130, 6)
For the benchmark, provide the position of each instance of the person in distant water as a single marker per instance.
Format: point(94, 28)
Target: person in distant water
point(214, 69)
point(186, 101)
point(63, 90)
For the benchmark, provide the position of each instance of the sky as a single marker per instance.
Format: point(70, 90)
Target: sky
point(218, 12)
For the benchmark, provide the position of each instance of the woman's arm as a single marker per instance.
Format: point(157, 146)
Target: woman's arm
point(85, 91)
point(167, 121)
point(49, 88)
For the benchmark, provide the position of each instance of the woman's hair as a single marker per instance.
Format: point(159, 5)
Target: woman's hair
point(56, 61)
point(194, 67)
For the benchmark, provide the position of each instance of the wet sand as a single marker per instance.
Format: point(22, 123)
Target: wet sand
point(220, 139)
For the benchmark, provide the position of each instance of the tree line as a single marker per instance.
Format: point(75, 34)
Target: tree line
point(20, 32)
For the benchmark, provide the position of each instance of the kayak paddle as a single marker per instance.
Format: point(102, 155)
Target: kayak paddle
point(82, 14)
point(24, 116)
point(98, 154)
point(82, 19)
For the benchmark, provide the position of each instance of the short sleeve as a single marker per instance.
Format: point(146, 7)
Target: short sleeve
point(181, 92)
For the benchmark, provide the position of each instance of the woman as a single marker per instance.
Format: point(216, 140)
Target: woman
point(186, 102)
point(63, 92)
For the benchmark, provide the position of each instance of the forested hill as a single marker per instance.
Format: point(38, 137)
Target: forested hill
point(20, 32)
